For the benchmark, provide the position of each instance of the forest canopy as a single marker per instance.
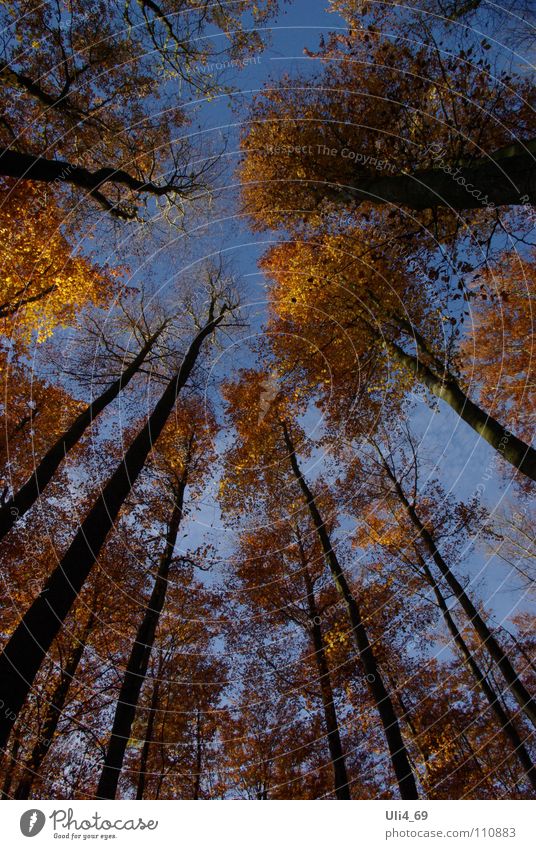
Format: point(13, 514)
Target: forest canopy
point(267, 356)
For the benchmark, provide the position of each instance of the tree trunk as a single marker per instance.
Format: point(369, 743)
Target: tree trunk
point(53, 714)
point(399, 755)
point(497, 653)
point(342, 786)
point(149, 731)
point(510, 447)
point(138, 662)
point(504, 719)
point(11, 759)
point(405, 714)
point(30, 491)
point(24, 652)
point(198, 757)
point(507, 177)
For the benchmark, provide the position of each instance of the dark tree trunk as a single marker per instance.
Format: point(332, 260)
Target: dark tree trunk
point(405, 714)
point(30, 491)
point(446, 387)
point(53, 714)
point(489, 641)
point(11, 758)
point(502, 715)
point(24, 652)
point(506, 178)
point(138, 662)
point(338, 760)
point(397, 749)
point(149, 732)
point(198, 757)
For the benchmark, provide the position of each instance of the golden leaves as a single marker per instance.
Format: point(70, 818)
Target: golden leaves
point(43, 284)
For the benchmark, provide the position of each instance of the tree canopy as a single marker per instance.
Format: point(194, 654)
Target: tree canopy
point(267, 361)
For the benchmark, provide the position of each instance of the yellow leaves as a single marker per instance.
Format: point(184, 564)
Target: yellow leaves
point(335, 639)
point(378, 530)
point(43, 284)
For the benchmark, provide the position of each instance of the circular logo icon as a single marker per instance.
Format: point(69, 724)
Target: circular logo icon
point(31, 822)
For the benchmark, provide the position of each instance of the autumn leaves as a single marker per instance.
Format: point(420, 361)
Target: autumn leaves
point(378, 276)
point(338, 645)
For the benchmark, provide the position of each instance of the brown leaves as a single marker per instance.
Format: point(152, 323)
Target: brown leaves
point(497, 354)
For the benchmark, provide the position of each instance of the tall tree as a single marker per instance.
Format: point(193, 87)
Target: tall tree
point(66, 695)
point(81, 86)
point(271, 442)
point(525, 701)
point(384, 483)
point(421, 130)
point(175, 744)
point(187, 446)
point(345, 298)
point(24, 651)
point(399, 756)
point(25, 497)
point(280, 570)
point(138, 662)
point(419, 515)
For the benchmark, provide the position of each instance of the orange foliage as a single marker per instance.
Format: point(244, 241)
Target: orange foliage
point(497, 354)
point(44, 283)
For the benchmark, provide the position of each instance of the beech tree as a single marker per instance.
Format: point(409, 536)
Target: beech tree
point(512, 678)
point(420, 130)
point(81, 86)
point(22, 655)
point(186, 449)
point(385, 476)
point(349, 302)
point(274, 444)
point(280, 571)
point(14, 507)
point(66, 693)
